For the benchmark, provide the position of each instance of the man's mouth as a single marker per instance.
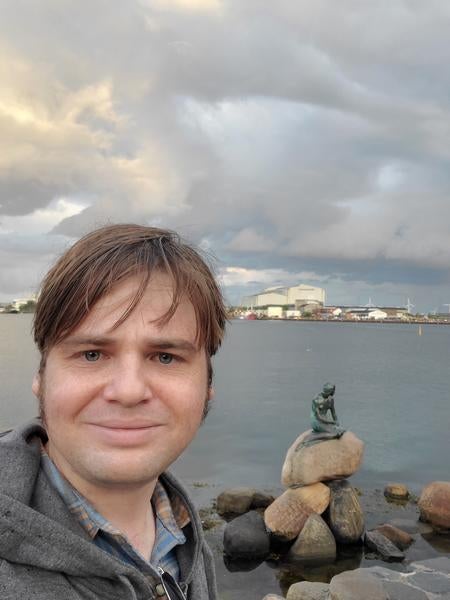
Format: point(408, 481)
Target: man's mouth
point(124, 433)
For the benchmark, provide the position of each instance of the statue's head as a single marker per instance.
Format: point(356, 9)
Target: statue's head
point(328, 389)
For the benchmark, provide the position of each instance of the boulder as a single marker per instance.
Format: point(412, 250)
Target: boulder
point(235, 500)
point(357, 585)
point(396, 491)
point(323, 461)
point(315, 496)
point(315, 543)
point(246, 537)
point(398, 537)
point(400, 591)
point(273, 597)
point(434, 505)
point(345, 516)
point(306, 590)
point(261, 500)
point(383, 546)
point(286, 516)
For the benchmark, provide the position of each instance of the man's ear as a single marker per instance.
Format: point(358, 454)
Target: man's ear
point(211, 393)
point(36, 385)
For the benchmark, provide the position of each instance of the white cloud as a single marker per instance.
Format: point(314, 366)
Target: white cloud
point(240, 276)
point(280, 134)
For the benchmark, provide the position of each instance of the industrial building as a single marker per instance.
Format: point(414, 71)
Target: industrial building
point(299, 297)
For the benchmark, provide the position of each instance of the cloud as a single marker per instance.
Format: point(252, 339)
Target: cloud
point(301, 137)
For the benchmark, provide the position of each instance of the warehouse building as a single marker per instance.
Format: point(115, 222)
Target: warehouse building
point(299, 297)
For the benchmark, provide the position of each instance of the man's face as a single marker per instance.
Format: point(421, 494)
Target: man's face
point(120, 405)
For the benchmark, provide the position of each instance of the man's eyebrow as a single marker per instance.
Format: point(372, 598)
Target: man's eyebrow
point(172, 344)
point(155, 343)
point(89, 340)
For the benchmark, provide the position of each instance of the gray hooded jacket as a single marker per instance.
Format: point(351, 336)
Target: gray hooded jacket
point(46, 555)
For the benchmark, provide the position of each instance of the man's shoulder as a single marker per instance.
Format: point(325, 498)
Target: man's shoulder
point(18, 581)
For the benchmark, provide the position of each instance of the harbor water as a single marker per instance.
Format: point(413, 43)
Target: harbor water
point(392, 391)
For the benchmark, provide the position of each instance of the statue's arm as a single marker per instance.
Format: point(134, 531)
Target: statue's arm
point(322, 417)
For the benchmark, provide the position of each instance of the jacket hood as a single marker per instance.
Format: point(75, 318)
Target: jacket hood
point(37, 529)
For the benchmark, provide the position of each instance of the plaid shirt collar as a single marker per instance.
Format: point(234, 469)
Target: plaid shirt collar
point(171, 516)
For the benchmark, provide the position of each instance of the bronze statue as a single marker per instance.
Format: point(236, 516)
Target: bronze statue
point(324, 422)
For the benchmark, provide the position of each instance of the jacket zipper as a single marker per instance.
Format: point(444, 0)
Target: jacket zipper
point(171, 587)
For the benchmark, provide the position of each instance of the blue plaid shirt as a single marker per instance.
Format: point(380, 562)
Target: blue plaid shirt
point(171, 517)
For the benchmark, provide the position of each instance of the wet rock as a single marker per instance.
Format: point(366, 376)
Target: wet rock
point(323, 461)
point(434, 505)
point(235, 500)
point(236, 564)
point(396, 491)
point(246, 537)
point(398, 537)
point(440, 563)
point(357, 585)
point(261, 500)
point(286, 516)
point(400, 591)
point(345, 516)
point(434, 583)
point(315, 543)
point(306, 590)
point(383, 546)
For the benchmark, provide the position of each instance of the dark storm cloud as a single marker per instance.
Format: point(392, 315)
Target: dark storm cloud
point(295, 136)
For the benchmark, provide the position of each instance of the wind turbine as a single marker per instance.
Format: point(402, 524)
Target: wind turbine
point(448, 306)
point(409, 306)
point(370, 304)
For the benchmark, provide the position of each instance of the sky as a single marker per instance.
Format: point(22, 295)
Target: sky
point(295, 142)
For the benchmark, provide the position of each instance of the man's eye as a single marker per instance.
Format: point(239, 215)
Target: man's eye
point(92, 355)
point(165, 358)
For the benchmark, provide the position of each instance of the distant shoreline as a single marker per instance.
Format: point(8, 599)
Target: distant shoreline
point(349, 321)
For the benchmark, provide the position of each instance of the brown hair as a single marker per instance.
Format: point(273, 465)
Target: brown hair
point(106, 256)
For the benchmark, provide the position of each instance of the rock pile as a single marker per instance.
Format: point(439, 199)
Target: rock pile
point(320, 510)
point(315, 512)
point(318, 515)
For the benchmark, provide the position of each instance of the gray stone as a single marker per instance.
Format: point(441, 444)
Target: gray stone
point(306, 590)
point(345, 515)
point(315, 543)
point(357, 585)
point(437, 583)
point(235, 500)
point(273, 597)
point(384, 573)
point(441, 563)
point(383, 546)
point(246, 537)
point(400, 591)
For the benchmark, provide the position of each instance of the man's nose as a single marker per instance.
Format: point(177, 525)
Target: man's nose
point(128, 382)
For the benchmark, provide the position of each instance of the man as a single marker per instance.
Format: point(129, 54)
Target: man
point(126, 323)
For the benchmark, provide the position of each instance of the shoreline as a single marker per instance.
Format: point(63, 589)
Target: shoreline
point(350, 321)
point(255, 579)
